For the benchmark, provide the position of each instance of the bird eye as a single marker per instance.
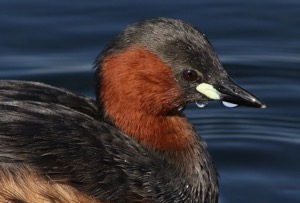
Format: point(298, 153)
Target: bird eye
point(190, 75)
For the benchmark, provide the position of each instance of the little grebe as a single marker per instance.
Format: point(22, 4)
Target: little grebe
point(133, 144)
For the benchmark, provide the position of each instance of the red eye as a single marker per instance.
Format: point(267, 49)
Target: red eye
point(190, 75)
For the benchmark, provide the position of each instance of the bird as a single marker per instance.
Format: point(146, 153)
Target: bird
point(132, 143)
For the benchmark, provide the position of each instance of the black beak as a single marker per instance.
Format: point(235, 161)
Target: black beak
point(232, 93)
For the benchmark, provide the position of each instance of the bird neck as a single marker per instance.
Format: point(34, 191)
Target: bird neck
point(141, 97)
point(160, 132)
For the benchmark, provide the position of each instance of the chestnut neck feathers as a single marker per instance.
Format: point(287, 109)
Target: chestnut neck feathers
point(136, 83)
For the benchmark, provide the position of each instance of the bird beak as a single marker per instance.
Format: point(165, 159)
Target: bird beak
point(230, 93)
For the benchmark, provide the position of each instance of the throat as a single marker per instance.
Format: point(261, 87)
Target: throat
point(161, 132)
point(139, 95)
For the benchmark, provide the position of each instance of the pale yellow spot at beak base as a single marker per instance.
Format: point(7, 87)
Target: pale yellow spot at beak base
point(209, 91)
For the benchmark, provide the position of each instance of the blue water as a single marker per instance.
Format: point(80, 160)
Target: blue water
point(257, 151)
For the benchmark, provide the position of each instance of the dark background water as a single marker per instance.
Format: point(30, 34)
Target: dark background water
point(257, 151)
